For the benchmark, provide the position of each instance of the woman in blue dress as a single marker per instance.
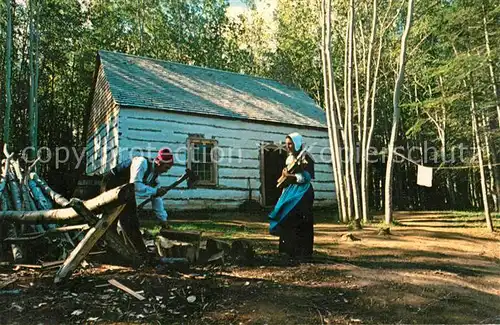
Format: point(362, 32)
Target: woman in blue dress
point(292, 217)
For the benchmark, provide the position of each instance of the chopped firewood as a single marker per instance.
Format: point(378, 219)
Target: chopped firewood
point(173, 248)
point(6, 283)
point(214, 251)
point(27, 266)
point(126, 289)
point(349, 237)
point(49, 265)
point(214, 245)
point(217, 258)
point(242, 250)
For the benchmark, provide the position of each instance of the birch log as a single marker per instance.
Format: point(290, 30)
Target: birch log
point(116, 196)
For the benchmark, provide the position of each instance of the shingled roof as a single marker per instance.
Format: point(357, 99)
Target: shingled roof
point(154, 84)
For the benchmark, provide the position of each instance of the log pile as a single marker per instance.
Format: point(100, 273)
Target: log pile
point(197, 249)
point(40, 228)
point(23, 195)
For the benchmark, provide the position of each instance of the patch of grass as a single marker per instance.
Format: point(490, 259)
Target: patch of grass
point(154, 229)
point(222, 229)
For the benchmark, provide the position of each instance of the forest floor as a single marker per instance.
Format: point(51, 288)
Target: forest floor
point(432, 268)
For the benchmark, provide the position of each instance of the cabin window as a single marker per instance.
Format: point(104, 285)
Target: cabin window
point(202, 160)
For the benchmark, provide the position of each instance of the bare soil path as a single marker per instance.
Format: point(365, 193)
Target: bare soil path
point(433, 268)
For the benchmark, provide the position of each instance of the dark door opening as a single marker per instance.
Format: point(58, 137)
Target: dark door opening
point(272, 163)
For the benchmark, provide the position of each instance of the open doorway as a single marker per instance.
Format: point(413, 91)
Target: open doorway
point(272, 162)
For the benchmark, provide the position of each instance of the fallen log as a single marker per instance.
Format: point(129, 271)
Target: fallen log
point(116, 242)
point(116, 196)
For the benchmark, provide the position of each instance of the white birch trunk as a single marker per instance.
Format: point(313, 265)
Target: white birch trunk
point(364, 140)
point(396, 116)
point(333, 116)
point(475, 129)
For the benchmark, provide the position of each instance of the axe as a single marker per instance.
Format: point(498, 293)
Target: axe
point(188, 175)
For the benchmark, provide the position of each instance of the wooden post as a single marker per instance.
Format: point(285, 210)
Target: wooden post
point(116, 242)
point(84, 247)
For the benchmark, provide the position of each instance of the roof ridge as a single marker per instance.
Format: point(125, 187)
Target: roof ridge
point(222, 93)
point(292, 87)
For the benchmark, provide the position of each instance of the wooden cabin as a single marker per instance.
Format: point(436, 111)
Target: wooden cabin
point(229, 128)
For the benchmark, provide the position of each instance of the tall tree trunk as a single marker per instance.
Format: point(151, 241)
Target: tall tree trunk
point(33, 128)
point(350, 109)
point(8, 75)
point(330, 117)
point(442, 138)
point(496, 94)
point(347, 122)
point(491, 161)
point(475, 130)
point(396, 116)
point(358, 98)
point(491, 65)
point(364, 140)
point(37, 77)
point(333, 132)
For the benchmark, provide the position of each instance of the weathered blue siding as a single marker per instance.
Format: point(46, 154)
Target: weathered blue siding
point(102, 138)
point(143, 132)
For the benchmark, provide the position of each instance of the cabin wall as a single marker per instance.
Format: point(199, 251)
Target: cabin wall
point(102, 139)
point(144, 132)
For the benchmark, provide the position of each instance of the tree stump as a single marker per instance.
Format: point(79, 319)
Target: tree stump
point(183, 236)
point(177, 249)
point(242, 251)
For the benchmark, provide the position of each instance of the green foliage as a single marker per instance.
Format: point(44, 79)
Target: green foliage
point(280, 40)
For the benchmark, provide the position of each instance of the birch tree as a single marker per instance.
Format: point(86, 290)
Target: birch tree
point(396, 116)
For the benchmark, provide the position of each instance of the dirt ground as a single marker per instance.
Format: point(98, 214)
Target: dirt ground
point(432, 268)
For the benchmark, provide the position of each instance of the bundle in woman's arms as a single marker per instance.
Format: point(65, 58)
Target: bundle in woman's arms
point(297, 165)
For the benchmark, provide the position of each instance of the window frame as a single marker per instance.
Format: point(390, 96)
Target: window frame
point(193, 140)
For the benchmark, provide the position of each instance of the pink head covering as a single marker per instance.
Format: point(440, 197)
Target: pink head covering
point(165, 156)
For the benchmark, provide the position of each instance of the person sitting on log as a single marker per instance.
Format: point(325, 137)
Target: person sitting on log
point(143, 173)
point(292, 217)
